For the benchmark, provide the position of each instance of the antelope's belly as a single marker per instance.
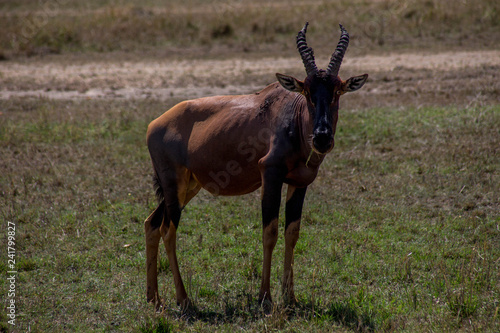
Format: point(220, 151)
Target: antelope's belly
point(229, 178)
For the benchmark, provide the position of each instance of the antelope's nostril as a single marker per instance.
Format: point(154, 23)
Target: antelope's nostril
point(323, 143)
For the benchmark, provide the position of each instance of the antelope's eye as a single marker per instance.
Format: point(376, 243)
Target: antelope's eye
point(339, 92)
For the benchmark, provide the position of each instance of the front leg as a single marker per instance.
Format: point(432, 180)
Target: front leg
point(293, 212)
point(272, 182)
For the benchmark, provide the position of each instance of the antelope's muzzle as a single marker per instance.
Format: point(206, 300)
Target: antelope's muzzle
point(323, 141)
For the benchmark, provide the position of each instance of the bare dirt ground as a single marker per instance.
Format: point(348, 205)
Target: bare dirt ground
point(422, 79)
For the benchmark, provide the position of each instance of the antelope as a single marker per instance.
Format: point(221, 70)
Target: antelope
point(232, 145)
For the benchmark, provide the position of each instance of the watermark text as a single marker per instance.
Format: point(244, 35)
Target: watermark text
point(11, 273)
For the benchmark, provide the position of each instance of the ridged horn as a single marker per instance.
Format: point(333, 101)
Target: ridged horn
point(306, 52)
point(338, 55)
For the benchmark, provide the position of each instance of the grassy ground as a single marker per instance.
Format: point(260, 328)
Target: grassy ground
point(400, 229)
point(221, 27)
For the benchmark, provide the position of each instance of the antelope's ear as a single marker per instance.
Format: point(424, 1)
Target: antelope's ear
point(354, 83)
point(290, 83)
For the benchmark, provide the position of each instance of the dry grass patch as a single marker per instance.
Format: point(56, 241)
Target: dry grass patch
point(220, 26)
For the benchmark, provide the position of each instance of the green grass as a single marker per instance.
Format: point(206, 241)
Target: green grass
point(400, 230)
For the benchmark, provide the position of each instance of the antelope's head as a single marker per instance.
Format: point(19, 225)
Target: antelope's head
point(322, 89)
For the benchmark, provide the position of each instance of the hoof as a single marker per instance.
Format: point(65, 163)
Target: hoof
point(267, 306)
point(157, 304)
point(187, 308)
point(289, 300)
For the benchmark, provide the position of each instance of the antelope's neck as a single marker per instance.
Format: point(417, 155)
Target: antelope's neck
point(305, 125)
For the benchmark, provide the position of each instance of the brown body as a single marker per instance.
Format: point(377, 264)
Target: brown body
point(233, 145)
point(233, 135)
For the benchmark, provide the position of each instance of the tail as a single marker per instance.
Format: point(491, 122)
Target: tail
point(158, 189)
point(158, 214)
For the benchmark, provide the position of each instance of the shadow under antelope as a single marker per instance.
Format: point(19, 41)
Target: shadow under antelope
point(232, 145)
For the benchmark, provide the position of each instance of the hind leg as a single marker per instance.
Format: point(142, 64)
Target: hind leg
point(169, 239)
point(176, 192)
point(152, 232)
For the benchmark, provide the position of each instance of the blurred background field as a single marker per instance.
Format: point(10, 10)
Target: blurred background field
point(218, 27)
point(400, 231)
